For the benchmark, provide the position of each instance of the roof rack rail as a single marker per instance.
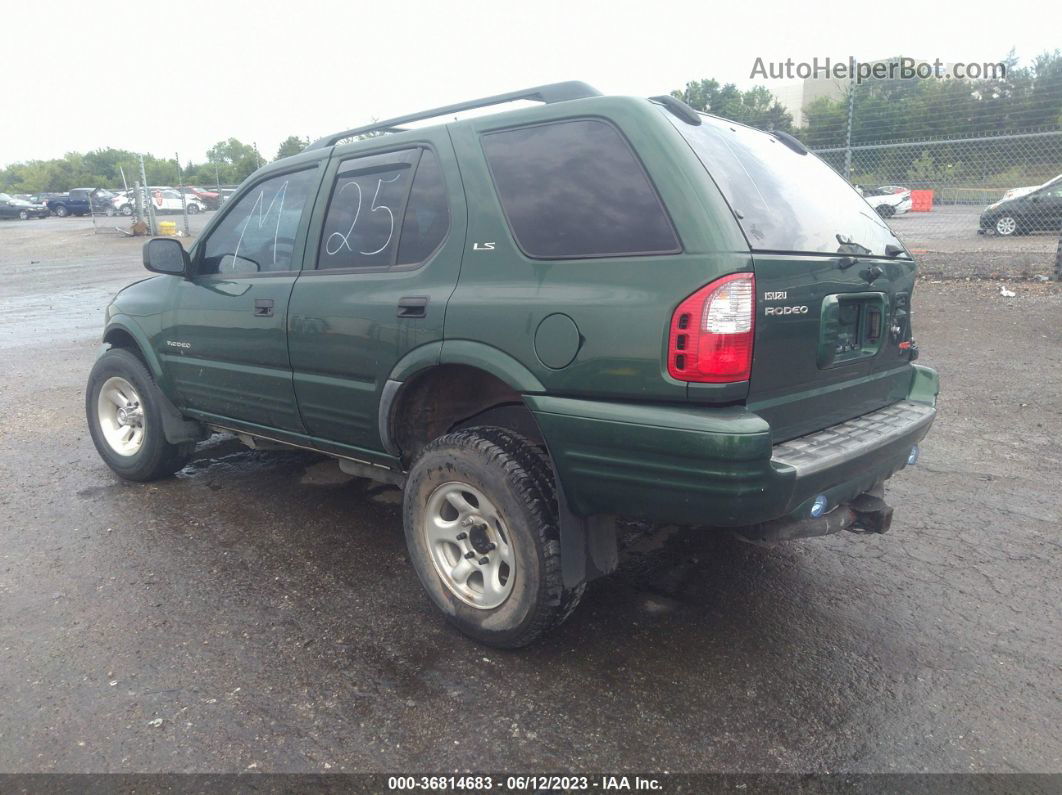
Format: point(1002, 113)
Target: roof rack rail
point(548, 94)
point(679, 108)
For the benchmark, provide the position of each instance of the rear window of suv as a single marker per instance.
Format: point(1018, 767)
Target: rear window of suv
point(784, 201)
point(575, 189)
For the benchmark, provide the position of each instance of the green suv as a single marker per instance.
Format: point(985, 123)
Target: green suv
point(535, 322)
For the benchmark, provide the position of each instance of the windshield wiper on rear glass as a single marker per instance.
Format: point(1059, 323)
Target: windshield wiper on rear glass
point(849, 246)
point(851, 250)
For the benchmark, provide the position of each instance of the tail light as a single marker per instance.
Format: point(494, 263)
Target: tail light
point(711, 332)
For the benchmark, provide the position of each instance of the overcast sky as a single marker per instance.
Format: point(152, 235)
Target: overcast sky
point(165, 77)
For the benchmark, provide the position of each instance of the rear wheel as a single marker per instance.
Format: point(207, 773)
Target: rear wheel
point(24, 215)
point(126, 209)
point(481, 528)
point(1006, 225)
point(125, 420)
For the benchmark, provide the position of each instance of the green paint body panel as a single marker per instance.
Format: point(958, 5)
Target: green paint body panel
point(584, 341)
point(702, 466)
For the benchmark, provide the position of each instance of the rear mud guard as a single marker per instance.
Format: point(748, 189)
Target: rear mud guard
point(588, 543)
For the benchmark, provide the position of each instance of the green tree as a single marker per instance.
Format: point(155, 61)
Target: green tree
point(756, 107)
point(291, 145)
point(234, 160)
point(1024, 98)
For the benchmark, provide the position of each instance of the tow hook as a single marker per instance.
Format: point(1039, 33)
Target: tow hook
point(872, 514)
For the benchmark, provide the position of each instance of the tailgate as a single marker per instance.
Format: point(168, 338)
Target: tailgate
point(828, 339)
point(833, 284)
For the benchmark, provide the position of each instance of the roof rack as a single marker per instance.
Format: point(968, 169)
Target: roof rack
point(548, 94)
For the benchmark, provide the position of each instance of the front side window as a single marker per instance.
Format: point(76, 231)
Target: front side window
point(575, 189)
point(258, 234)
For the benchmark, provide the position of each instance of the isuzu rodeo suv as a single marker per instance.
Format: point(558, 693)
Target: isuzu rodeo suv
point(535, 322)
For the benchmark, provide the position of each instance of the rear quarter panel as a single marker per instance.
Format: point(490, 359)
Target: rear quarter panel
point(620, 305)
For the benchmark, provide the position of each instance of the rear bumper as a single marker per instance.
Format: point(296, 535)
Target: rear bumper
point(718, 467)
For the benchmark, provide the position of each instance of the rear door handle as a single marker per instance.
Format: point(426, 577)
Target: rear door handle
point(413, 306)
point(263, 307)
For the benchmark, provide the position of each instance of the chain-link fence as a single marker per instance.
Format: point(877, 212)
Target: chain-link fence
point(995, 199)
point(156, 209)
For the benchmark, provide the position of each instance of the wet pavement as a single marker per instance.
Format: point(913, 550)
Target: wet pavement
point(258, 612)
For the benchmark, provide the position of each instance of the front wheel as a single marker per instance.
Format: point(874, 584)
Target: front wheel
point(886, 210)
point(481, 527)
point(125, 419)
point(1006, 225)
point(61, 211)
point(126, 209)
point(193, 209)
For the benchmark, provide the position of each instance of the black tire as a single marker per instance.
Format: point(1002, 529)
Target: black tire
point(886, 210)
point(126, 210)
point(61, 211)
point(24, 215)
point(156, 457)
point(193, 209)
point(515, 476)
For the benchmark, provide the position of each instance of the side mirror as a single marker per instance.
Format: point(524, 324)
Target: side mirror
point(165, 255)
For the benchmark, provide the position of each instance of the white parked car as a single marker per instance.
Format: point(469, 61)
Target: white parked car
point(166, 200)
point(888, 204)
point(1014, 193)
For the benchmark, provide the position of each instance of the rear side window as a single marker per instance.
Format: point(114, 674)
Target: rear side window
point(258, 233)
point(575, 189)
point(385, 210)
point(427, 213)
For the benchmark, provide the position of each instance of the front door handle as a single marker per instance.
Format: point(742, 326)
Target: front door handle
point(263, 307)
point(413, 306)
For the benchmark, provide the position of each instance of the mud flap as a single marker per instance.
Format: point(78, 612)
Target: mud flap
point(588, 543)
point(175, 426)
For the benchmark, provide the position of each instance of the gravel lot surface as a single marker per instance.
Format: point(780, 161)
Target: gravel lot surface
point(258, 612)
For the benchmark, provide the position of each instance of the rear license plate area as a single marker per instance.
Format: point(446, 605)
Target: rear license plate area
point(852, 328)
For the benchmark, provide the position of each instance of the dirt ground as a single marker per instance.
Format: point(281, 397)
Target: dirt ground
point(258, 612)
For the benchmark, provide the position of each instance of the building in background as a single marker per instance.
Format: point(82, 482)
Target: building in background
point(796, 97)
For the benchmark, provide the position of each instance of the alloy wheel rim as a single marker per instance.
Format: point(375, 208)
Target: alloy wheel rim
point(121, 416)
point(1006, 225)
point(469, 544)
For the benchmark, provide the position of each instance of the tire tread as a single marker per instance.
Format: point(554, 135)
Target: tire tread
point(530, 477)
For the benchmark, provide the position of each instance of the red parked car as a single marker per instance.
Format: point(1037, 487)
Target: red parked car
point(209, 199)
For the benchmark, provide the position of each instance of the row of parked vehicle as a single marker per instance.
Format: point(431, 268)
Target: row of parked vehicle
point(83, 201)
point(1032, 208)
